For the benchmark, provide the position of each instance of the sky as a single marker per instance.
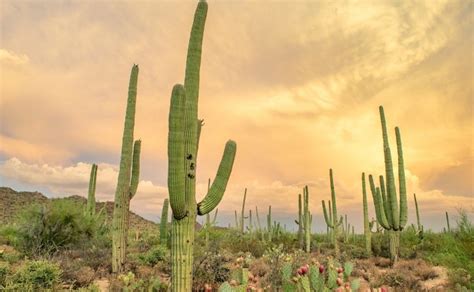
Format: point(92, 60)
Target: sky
point(296, 84)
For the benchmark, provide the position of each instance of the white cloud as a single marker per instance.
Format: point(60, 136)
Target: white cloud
point(9, 57)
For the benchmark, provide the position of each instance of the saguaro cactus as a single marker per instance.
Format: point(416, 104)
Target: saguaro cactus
point(419, 229)
point(307, 220)
point(91, 193)
point(242, 214)
point(333, 223)
point(128, 177)
point(447, 222)
point(367, 231)
point(183, 140)
point(300, 222)
point(269, 224)
point(388, 214)
point(164, 223)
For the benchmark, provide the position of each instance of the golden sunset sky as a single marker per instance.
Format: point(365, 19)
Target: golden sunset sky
point(296, 84)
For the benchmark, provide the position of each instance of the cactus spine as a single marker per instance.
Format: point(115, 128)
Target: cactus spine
point(128, 177)
point(183, 138)
point(367, 229)
point(388, 214)
point(333, 223)
point(164, 223)
point(91, 193)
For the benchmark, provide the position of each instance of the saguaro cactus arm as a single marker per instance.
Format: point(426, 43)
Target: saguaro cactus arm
point(215, 193)
point(176, 156)
point(379, 208)
point(135, 168)
point(91, 191)
point(401, 180)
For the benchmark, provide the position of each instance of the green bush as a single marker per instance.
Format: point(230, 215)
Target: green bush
point(4, 270)
point(35, 276)
point(45, 229)
point(157, 254)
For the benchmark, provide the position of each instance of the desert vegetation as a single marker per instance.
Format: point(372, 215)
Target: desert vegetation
point(68, 244)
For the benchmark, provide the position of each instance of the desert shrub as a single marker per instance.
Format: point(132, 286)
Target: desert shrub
point(156, 254)
point(461, 278)
point(9, 254)
point(211, 267)
point(45, 229)
point(128, 282)
point(35, 276)
point(8, 234)
point(4, 270)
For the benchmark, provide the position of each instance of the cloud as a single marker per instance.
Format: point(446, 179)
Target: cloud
point(11, 58)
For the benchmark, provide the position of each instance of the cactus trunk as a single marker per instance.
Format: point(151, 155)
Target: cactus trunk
point(447, 222)
point(128, 177)
point(367, 232)
point(307, 220)
point(242, 214)
point(164, 223)
point(91, 193)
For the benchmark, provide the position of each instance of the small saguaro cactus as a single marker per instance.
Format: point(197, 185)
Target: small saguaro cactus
point(269, 223)
point(242, 214)
point(333, 223)
point(389, 215)
point(183, 141)
point(164, 223)
point(300, 223)
point(307, 220)
point(447, 222)
point(419, 227)
point(91, 193)
point(128, 178)
point(367, 226)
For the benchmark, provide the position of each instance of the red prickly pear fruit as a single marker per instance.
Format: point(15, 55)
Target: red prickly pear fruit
point(339, 281)
point(304, 269)
point(383, 289)
point(321, 269)
point(299, 271)
point(339, 270)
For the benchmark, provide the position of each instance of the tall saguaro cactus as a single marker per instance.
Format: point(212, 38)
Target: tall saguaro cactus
point(389, 215)
point(164, 223)
point(307, 220)
point(183, 139)
point(128, 177)
point(367, 231)
point(91, 193)
point(333, 223)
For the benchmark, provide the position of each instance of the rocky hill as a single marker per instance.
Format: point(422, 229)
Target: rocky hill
point(12, 202)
